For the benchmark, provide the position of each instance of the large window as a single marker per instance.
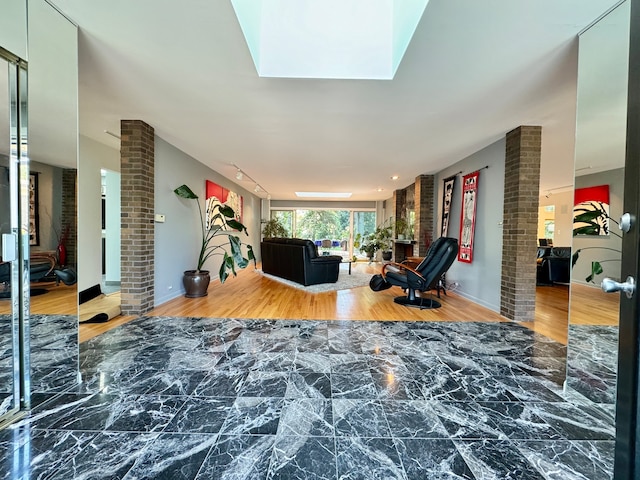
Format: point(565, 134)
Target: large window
point(332, 231)
point(285, 217)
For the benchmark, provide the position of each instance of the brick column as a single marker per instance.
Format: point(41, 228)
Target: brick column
point(137, 159)
point(399, 209)
point(520, 218)
point(424, 194)
point(69, 216)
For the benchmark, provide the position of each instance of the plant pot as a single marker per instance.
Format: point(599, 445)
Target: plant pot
point(386, 256)
point(400, 236)
point(196, 283)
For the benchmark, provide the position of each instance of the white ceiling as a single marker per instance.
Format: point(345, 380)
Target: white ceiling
point(474, 70)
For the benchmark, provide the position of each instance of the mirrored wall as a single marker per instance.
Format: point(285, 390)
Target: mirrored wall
point(49, 183)
point(599, 179)
point(53, 152)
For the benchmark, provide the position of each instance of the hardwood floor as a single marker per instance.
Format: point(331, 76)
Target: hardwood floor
point(591, 306)
point(251, 295)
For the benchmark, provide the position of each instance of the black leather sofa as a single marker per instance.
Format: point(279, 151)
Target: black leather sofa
point(554, 265)
point(297, 260)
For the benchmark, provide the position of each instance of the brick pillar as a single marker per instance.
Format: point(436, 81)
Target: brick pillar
point(69, 216)
point(520, 223)
point(424, 195)
point(137, 161)
point(399, 209)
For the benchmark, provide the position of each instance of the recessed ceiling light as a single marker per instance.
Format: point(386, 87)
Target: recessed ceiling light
point(380, 190)
point(323, 194)
point(395, 177)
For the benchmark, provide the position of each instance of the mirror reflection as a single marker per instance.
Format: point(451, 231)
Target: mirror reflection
point(53, 132)
point(599, 168)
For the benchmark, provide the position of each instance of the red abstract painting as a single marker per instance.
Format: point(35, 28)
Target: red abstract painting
point(216, 194)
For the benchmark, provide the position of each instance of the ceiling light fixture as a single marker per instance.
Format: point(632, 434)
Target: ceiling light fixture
point(242, 175)
point(395, 177)
point(112, 134)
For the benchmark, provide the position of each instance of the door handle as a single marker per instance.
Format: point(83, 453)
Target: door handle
point(628, 287)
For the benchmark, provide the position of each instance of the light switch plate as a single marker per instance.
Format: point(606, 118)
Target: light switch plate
point(160, 218)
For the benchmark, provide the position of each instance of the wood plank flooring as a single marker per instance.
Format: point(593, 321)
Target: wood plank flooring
point(251, 295)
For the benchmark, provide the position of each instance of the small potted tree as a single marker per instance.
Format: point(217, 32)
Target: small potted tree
point(401, 228)
point(274, 229)
point(222, 223)
point(384, 236)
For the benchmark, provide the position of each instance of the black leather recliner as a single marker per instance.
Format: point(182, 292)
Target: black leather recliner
point(297, 260)
point(425, 276)
point(554, 267)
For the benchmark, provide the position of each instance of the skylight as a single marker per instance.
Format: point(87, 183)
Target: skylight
point(339, 39)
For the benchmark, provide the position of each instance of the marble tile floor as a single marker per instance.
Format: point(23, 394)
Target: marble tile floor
point(201, 398)
point(54, 355)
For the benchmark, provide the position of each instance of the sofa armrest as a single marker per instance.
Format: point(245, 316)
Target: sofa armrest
point(322, 259)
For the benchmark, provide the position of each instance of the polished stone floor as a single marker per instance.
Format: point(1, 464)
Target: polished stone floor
point(54, 355)
point(199, 398)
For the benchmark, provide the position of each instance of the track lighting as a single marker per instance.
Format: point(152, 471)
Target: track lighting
point(241, 175)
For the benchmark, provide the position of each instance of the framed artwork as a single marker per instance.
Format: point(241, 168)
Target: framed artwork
point(34, 214)
point(447, 196)
point(216, 194)
point(468, 216)
point(591, 211)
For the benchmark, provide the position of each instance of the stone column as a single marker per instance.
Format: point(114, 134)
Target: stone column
point(424, 202)
point(520, 223)
point(399, 208)
point(137, 159)
point(69, 217)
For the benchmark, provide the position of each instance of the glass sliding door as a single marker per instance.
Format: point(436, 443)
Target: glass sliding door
point(14, 230)
point(329, 229)
point(364, 223)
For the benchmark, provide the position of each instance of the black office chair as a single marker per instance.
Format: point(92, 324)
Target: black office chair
point(425, 276)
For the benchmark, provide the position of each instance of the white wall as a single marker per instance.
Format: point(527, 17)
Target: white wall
point(177, 240)
point(13, 27)
point(563, 202)
point(112, 226)
point(94, 156)
point(480, 280)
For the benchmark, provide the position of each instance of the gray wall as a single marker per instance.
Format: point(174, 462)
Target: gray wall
point(582, 268)
point(177, 240)
point(480, 280)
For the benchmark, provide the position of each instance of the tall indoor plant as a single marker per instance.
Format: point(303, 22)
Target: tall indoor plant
point(221, 222)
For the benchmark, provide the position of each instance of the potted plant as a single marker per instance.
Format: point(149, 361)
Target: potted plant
point(274, 229)
point(367, 244)
point(384, 235)
point(222, 223)
point(401, 228)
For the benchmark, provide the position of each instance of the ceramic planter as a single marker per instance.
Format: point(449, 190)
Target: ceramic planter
point(196, 283)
